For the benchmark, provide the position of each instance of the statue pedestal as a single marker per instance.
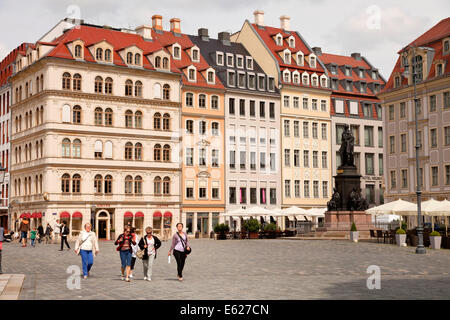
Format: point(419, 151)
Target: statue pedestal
point(338, 224)
point(346, 179)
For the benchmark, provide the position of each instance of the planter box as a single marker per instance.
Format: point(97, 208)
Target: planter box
point(400, 239)
point(435, 242)
point(354, 236)
point(254, 235)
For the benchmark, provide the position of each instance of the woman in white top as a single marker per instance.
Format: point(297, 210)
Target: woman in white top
point(87, 247)
point(135, 248)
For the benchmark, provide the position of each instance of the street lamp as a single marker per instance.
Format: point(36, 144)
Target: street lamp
point(420, 247)
point(93, 208)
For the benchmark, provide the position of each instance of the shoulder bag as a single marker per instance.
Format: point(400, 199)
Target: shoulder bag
point(186, 250)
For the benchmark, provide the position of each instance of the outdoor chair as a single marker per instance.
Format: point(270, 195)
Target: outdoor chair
point(379, 235)
point(372, 234)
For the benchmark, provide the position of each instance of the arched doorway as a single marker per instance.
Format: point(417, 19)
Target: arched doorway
point(103, 225)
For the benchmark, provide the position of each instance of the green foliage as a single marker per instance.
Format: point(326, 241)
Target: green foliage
point(221, 228)
point(404, 226)
point(435, 234)
point(270, 227)
point(252, 225)
point(401, 231)
point(353, 228)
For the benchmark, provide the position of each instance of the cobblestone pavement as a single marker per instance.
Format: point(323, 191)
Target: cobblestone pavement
point(241, 269)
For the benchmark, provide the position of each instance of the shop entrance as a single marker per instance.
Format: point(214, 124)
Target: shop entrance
point(102, 229)
point(202, 225)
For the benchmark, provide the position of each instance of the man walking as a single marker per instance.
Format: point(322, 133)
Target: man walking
point(57, 231)
point(64, 232)
point(48, 233)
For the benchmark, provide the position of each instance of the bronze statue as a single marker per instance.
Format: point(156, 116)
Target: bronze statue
point(335, 203)
point(347, 147)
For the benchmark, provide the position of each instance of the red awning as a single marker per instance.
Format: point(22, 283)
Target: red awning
point(157, 214)
point(64, 215)
point(168, 214)
point(25, 215)
point(128, 214)
point(77, 215)
point(37, 215)
point(139, 215)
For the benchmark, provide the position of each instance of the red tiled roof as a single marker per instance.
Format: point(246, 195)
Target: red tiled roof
point(439, 31)
point(6, 68)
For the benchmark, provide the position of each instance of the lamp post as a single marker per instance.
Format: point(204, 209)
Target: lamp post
point(420, 247)
point(93, 208)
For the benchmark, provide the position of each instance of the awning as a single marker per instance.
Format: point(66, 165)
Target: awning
point(128, 214)
point(157, 214)
point(37, 215)
point(25, 215)
point(291, 218)
point(168, 214)
point(77, 215)
point(139, 215)
point(64, 215)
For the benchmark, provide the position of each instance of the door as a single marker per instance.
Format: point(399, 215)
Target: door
point(102, 229)
point(205, 227)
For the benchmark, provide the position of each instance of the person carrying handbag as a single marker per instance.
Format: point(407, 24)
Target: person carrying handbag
point(87, 247)
point(181, 248)
point(124, 243)
point(148, 246)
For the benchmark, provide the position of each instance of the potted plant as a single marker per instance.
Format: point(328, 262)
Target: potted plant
point(252, 226)
point(354, 234)
point(221, 230)
point(400, 237)
point(435, 240)
point(270, 229)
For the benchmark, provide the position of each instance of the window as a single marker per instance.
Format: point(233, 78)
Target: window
point(129, 58)
point(447, 136)
point(305, 103)
point(107, 55)
point(215, 128)
point(98, 116)
point(287, 128)
point(76, 115)
point(324, 160)
point(315, 133)
point(315, 159)
point(306, 158)
point(202, 101)
point(215, 158)
point(157, 121)
point(287, 188)
point(433, 137)
point(261, 82)
point(202, 157)
point(393, 180)
point(370, 164)
point(391, 112)
point(202, 127)
point(65, 183)
point(404, 178)
point(78, 51)
point(446, 99)
point(128, 151)
point(232, 195)
point(99, 54)
point(176, 52)
point(323, 105)
point(137, 59)
point(305, 130)
point(211, 77)
point(434, 176)
point(166, 92)
point(166, 122)
point(190, 126)
point(138, 151)
point(66, 148)
point(432, 103)
point(129, 119)
point(77, 82)
point(108, 86)
point(419, 139)
point(98, 85)
point(287, 157)
point(158, 62)
point(380, 137)
point(189, 156)
point(243, 160)
point(242, 107)
point(157, 153)
point(98, 183)
point(262, 109)
point(76, 148)
point(195, 55)
point(239, 62)
point(380, 165)
point(447, 175)
point(138, 89)
point(286, 101)
point(296, 129)
point(66, 81)
point(232, 159)
point(157, 185)
point(316, 189)
point(215, 102)
point(306, 189)
point(128, 88)
point(166, 153)
point(262, 161)
point(230, 60)
point(108, 184)
point(243, 195)
point(392, 144)
point(324, 131)
point(367, 110)
point(189, 99)
point(368, 136)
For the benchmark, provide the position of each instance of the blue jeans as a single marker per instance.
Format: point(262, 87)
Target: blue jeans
point(87, 260)
point(32, 242)
point(125, 258)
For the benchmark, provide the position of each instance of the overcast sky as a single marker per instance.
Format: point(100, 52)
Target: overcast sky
point(377, 29)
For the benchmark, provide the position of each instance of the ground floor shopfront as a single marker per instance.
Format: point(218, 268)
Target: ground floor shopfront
point(4, 219)
point(201, 221)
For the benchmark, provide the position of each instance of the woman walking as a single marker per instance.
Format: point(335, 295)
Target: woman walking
point(135, 248)
point(24, 228)
point(87, 247)
point(149, 243)
point(180, 243)
point(124, 242)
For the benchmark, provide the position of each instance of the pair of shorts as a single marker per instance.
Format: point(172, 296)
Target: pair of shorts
point(24, 234)
point(125, 258)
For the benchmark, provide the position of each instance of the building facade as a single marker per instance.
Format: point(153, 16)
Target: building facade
point(355, 84)
point(305, 122)
point(432, 52)
point(202, 128)
point(252, 121)
point(85, 139)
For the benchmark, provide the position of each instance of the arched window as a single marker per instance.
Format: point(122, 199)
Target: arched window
point(66, 81)
point(138, 89)
point(98, 182)
point(166, 186)
point(129, 88)
point(20, 121)
point(156, 91)
point(42, 114)
point(108, 55)
point(129, 58)
point(29, 151)
point(128, 151)
point(77, 82)
point(76, 183)
point(166, 122)
point(166, 153)
point(37, 150)
point(98, 149)
point(157, 121)
point(296, 78)
point(76, 115)
point(165, 63)
point(128, 185)
point(65, 183)
point(108, 85)
point(108, 150)
point(156, 185)
point(129, 119)
point(26, 152)
point(76, 148)
point(99, 54)
point(98, 116)
point(108, 117)
point(66, 148)
point(215, 128)
point(190, 126)
point(42, 82)
point(158, 62)
point(78, 53)
point(138, 151)
point(41, 147)
point(138, 185)
point(26, 120)
point(157, 153)
point(98, 85)
point(37, 85)
point(202, 101)
point(189, 99)
point(166, 92)
point(305, 79)
point(137, 59)
point(108, 184)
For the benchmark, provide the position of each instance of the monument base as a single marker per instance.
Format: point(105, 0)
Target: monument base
point(338, 224)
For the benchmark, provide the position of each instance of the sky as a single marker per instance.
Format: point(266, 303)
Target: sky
point(376, 29)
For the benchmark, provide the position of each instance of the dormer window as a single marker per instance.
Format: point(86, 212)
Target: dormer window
point(291, 42)
point(239, 61)
point(158, 62)
point(241, 79)
point(279, 40)
point(165, 64)
point(287, 57)
point(439, 70)
point(195, 55)
point(108, 55)
point(397, 82)
point(230, 60)
point(300, 59)
point(249, 63)
point(192, 74)
point(129, 58)
point(314, 80)
point(286, 76)
point(348, 71)
point(361, 73)
point(296, 77)
point(348, 85)
point(312, 61)
point(176, 52)
point(219, 58)
point(363, 87)
point(231, 78)
point(211, 77)
point(137, 59)
point(251, 81)
point(374, 75)
point(305, 79)
point(261, 82)
point(271, 84)
point(323, 81)
point(446, 46)
point(99, 54)
point(78, 53)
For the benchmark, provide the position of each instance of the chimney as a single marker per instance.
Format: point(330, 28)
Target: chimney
point(145, 32)
point(317, 51)
point(356, 55)
point(157, 22)
point(259, 17)
point(285, 23)
point(224, 37)
point(203, 33)
point(175, 25)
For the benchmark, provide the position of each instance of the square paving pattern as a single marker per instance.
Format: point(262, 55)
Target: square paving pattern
point(237, 269)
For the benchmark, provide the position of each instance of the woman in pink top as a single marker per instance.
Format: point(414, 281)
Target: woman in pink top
point(180, 241)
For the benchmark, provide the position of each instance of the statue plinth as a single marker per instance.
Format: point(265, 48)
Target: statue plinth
point(348, 180)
